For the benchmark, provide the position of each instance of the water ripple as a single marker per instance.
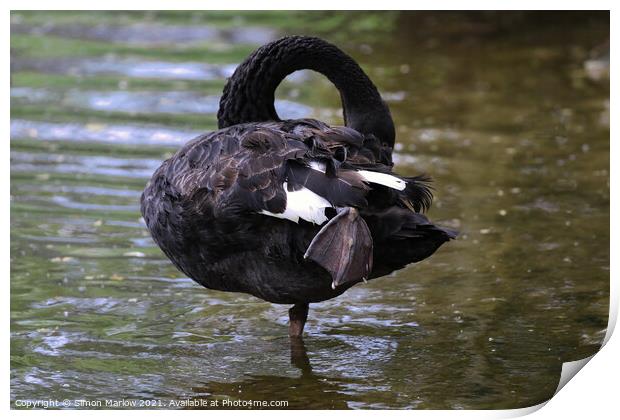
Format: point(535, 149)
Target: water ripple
point(151, 34)
point(174, 102)
point(103, 133)
point(165, 70)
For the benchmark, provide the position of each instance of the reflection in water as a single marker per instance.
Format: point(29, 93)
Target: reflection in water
point(299, 355)
point(297, 389)
point(508, 118)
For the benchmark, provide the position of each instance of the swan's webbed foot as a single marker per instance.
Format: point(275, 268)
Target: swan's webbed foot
point(343, 247)
point(297, 315)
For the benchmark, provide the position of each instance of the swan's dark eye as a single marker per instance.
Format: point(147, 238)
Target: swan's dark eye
point(385, 144)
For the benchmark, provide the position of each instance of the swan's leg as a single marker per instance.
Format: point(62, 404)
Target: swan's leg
point(297, 316)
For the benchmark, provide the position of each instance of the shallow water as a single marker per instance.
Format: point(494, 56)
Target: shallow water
point(499, 109)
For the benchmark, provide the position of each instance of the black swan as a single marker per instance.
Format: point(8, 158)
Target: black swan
point(291, 211)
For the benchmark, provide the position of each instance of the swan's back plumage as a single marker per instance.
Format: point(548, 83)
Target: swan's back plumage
point(242, 170)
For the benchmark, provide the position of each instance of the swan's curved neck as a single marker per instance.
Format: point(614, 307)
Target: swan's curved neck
point(250, 93)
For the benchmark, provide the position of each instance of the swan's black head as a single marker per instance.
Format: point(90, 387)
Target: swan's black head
point(249, 94)
point(375, 123)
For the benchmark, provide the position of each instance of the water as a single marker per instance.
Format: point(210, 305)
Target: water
point(501, 109)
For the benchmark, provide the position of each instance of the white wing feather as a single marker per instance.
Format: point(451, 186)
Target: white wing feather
point(307, 205)
point(383, 179)
point(303, 204)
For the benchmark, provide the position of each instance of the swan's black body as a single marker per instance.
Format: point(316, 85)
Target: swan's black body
point(211, 206)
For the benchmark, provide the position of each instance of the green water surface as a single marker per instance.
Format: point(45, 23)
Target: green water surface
point(505, 112)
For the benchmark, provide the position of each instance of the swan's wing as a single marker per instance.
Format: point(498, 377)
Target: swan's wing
point(233, 171)
point(292, 170)
point(282, 174)
point(342, 144)
point(356, 157)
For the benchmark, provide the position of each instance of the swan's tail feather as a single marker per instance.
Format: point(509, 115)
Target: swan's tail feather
point(418, 194)
point(402, 237)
